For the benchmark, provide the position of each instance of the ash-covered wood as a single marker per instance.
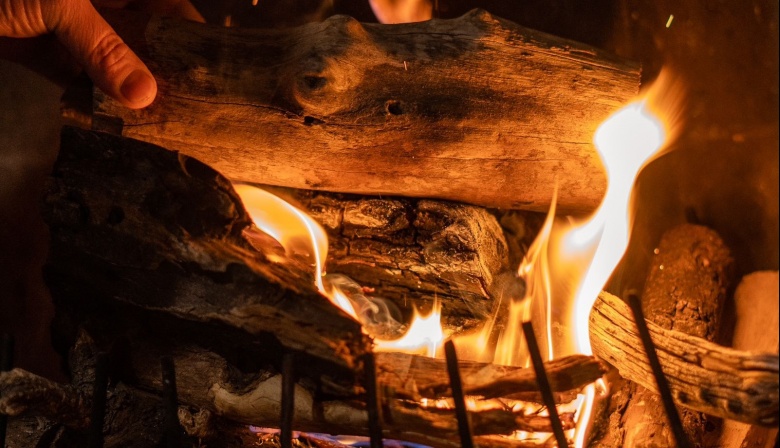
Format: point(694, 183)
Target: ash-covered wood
point(475, 109)
point(685, 291)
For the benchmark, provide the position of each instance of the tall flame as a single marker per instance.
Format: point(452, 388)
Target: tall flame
point(564, 270)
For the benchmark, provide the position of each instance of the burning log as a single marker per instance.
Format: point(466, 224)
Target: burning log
point(685, 292)
point(192, 266)
point(414, 250)
point(475, 109)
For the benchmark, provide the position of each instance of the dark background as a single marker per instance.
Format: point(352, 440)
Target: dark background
point(723, 171)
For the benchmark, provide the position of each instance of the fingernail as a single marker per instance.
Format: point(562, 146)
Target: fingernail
point(139, 87)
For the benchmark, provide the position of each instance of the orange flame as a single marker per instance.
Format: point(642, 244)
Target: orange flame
point(424, 336)
point(564, 270)
point(584, 254)
point(401, 11)
point(299, 234)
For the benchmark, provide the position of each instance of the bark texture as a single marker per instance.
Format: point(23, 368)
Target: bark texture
point(475, 109)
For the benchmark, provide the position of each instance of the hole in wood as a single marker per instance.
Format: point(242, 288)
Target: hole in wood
point(308, 120)
point(394, 107)
point(116, 215)
point(314, 82)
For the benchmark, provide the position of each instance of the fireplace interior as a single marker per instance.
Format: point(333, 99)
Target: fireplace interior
point(141, 306)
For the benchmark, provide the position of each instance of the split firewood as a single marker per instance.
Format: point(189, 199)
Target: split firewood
point(208, 381)
point(757, 324)
point(475, 109)
point(25, 394)
point(685, 291)
point(703, 376)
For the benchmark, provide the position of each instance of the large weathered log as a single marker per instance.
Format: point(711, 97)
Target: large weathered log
point(685, 291)
point(475, 109)
point(704, 376)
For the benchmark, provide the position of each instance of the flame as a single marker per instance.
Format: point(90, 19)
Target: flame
point(564, 270)
point(425, 335)
point(299, 234)
point(583, 255)
point(296, 231)
point(401, 11)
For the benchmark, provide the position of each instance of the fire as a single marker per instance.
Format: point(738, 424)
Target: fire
point(425, 335)
point(401, 11)
point(300, 235)
point(564, 270)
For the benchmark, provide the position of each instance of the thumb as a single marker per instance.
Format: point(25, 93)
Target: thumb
point(108, 61)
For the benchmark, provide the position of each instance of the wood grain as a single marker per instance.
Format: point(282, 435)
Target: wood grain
point(475, 109)
point(704, 376)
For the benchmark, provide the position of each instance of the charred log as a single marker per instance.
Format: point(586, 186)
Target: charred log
point(412, 251)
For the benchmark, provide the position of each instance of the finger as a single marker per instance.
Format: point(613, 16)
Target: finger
point(108, 61)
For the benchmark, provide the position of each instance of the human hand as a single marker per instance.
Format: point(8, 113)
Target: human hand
point(89, 40)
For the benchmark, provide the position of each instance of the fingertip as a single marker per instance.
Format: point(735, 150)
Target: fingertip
point(138, 89)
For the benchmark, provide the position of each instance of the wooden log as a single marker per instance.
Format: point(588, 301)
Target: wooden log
point(475, 109)
point(685, 291)
point(757, 324)
point(706, 377)
point(161, 231)
point(415, 251)
point(25, 394)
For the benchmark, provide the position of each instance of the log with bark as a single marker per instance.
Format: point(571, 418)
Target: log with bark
point(412, 251)
point(475, 109)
